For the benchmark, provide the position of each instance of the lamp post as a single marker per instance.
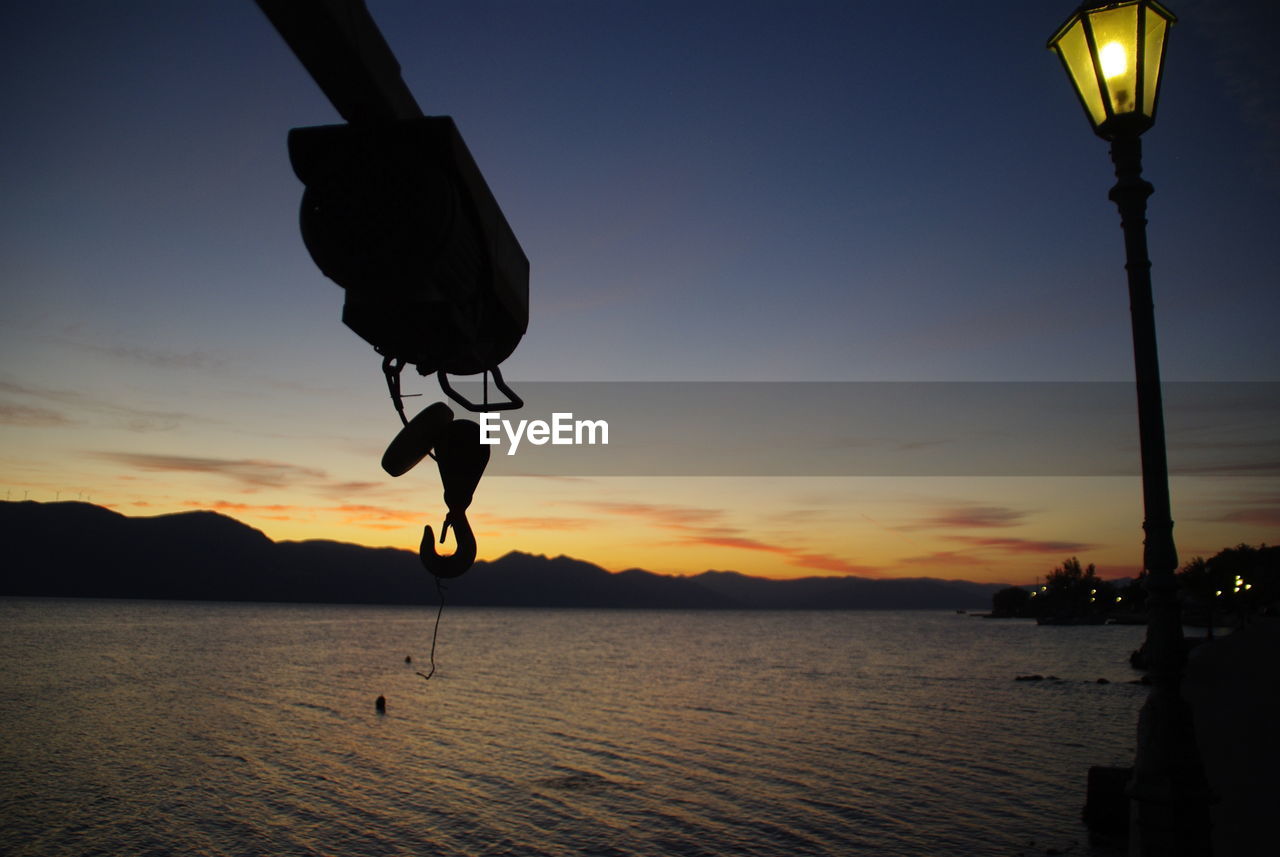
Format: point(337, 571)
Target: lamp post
point(1113, 51)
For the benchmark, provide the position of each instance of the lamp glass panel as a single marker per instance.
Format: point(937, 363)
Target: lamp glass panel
point(1074, 50)
point(1115, 34)
point(1156, 27)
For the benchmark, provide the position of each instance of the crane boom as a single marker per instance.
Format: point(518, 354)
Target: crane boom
point(343, 50)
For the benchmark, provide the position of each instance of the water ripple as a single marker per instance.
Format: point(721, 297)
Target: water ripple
point(250, 729)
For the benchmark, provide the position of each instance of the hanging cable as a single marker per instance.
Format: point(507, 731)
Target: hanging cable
point(440, 589)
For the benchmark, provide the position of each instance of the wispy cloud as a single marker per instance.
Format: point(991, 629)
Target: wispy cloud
point(163, 358)
point(975, 556)
point(346, 489)
point(1260, 509)
point(1260, 467)
point(831, 563)
point(1261, 517)
point(375, 517)
point(119, 416)
point(696, 526)
point(269, 511)
point(1022, 546)
point(228, 506)
point(891, 444)
point(249, 473)
point(796, 557)
point(668, 516)
point(547, 522)
point(711, 539)
point(968, 517)
point(31, 417)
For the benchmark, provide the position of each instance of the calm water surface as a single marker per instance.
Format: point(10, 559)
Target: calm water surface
point(228, 729)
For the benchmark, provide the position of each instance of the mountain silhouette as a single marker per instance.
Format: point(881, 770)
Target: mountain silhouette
point(79, 550)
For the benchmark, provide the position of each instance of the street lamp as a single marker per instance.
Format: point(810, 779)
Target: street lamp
point(1113, 51)
point(1114, 54)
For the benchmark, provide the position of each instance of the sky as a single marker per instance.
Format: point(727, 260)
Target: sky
point(709, 193)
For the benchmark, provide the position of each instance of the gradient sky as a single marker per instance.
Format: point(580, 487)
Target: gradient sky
point(707, 191)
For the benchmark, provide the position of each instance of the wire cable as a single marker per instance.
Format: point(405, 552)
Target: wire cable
point(436, 632)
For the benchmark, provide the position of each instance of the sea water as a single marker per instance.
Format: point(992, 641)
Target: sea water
point(248, 729)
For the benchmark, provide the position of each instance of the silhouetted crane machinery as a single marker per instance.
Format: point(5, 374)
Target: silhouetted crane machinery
point(396, 212)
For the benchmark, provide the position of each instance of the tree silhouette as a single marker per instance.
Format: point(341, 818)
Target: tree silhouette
point(1233, 584)
point(1073, 590)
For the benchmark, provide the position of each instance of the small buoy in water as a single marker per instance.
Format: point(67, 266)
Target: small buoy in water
point(408, 660)
point(381, 705)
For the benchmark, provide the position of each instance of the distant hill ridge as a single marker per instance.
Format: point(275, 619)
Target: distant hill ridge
point(85, 551)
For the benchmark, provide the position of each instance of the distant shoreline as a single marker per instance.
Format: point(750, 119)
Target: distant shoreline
point(207, 556)
point(450, 606)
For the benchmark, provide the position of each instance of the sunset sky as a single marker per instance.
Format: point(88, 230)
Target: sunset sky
point(707, 192)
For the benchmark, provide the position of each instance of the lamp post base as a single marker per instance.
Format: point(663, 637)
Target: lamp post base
point(1170, 796)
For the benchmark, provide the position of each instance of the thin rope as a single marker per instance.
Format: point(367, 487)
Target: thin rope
point(435, 633)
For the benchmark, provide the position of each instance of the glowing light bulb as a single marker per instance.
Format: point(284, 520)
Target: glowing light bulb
point(1114, 60)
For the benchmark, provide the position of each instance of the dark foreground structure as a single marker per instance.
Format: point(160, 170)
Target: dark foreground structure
point(1113, 51)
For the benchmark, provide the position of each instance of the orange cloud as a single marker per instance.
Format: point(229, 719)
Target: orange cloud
point(375, 517)
point(531, 522)
point(667, 516)
point(344, 488)
point(695, 526)
point(228, 506)
point(724, 541)
point(826, 562)
point(250, 473)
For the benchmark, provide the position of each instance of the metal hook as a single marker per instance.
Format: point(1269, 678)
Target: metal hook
point(463, 556)
point(391, 368)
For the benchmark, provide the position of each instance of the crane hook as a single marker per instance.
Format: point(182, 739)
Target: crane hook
point(461, 459)
point(454, 564)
